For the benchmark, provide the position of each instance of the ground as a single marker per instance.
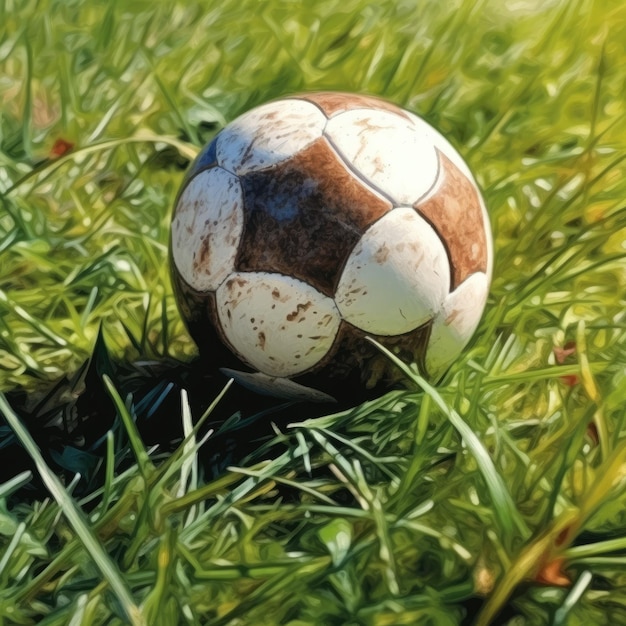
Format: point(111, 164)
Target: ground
point(495, 497)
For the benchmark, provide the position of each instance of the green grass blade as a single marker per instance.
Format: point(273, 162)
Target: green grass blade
point(141, 136)
point(143, 460)
point(76, 518)
point(15, 483)
point(600, 547)
point(508, 515)
point(572, 599)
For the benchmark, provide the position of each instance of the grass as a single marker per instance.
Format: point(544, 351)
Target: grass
point(495, 498)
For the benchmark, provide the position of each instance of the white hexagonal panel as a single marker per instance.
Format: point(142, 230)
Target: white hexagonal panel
point(440, 142)
point(391, 152)
point(207, 227)
point(396, 277)
point(456, 323)
point(268, 135)
point(279, 325)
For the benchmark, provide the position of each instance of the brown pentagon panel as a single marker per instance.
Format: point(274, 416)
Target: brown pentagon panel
point(303, 217)
point(332, 103)
point(455, 212)
point(355, 363)
point(199, 312)
point(206, 158)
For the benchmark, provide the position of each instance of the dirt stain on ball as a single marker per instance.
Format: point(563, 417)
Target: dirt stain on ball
point(300, 308)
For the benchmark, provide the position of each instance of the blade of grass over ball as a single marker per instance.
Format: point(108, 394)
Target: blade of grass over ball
point(143, 460)
point(75, 517)
point(508, 515)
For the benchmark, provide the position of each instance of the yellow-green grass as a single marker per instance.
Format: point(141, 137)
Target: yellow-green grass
point(496, 496)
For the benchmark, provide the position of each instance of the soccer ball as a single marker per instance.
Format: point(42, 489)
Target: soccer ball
point(316, 220)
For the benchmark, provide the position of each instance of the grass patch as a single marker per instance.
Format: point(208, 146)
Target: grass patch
point(497, 497)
